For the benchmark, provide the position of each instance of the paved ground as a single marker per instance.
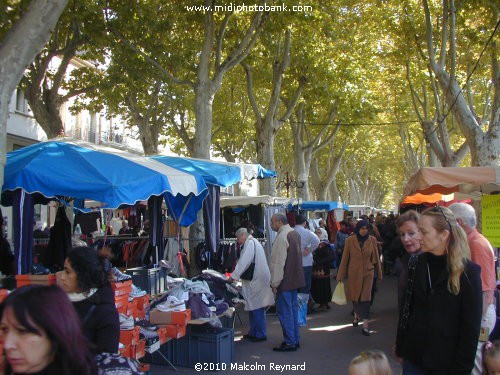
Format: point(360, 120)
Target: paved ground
point(328, 342)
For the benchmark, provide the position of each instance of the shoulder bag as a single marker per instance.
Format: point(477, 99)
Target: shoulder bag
point(248, 274)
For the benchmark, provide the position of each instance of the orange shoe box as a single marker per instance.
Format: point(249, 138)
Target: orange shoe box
point(22, 280)
point(126, 351)
point(144, 367)
point(170, 317)
point(162, 334)
point(140, 314)
point(139, 350)
point(131, 308)
point(121, 303)
point(142, 302)
point(175, 331)
point(129, 337)
point(122, 288)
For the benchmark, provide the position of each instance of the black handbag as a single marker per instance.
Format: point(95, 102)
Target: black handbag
point(248, 274)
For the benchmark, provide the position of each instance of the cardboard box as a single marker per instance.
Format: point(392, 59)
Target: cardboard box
point(130, 337)
point(22, 280)
point(121, 303)
point(138, 350)
point(170, 317)
point(122, 288)
point(175, 331)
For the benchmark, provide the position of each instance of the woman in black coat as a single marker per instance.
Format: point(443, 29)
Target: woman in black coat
point(86, 281)
point(440, 320)
point(321, 290)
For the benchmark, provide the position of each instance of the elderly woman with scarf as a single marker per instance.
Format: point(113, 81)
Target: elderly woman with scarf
point(359, 262)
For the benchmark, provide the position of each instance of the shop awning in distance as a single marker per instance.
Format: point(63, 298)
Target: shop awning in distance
point(319, 206)
point(243, 201)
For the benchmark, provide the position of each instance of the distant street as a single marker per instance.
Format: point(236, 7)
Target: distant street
point(328, 342)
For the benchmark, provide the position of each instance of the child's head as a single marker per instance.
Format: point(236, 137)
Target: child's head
point(491, 358)
point(373, 362)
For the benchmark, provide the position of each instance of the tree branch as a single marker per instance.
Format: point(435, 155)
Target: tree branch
point(220, 40)
point(428, 33)
point(295, 100)
point(414, 95)
point(73, 93)
point(251, 95)
point(246, 44)
point(444, 34)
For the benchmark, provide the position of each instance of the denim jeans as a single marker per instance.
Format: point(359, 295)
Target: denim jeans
point(257, 320)
point(308, 273)
point(287, 309)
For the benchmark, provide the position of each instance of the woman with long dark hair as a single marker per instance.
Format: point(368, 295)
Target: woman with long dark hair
point(85, 279)
point(40, 332)
point(359, 262)
point(439, 329)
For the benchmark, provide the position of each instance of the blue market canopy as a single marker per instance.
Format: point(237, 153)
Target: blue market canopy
point(320, 206)
point(217, 173)
point(85, 171)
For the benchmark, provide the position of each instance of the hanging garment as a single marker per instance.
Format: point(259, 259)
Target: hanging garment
point(60, 241)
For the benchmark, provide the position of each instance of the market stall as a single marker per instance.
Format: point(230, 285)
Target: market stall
point(334, 214)
point(216, 174)
point(473, 181)
point(254, 212)
point(480, 184)
point(72, 171)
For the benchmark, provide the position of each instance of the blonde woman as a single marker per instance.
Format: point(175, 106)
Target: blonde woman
point(372, 362)
point(439, 333)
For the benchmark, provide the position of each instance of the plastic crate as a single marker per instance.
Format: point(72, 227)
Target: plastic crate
point(210, 345)
point(152, 280)
point(202, 344)
point(227, 321)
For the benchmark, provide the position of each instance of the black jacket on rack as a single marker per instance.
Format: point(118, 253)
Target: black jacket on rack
point(60, 241)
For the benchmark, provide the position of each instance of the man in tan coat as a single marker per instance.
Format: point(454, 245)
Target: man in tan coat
point(286, 277)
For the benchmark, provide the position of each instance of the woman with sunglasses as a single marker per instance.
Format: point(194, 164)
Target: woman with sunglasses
point(439, 329)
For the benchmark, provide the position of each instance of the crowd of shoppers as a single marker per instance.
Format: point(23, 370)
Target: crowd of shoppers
point(446, 281)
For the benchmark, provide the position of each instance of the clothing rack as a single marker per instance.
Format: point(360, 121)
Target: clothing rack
point(120, 237)
point(41, 241)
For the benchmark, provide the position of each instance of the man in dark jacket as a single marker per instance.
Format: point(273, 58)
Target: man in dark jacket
point(286, 277)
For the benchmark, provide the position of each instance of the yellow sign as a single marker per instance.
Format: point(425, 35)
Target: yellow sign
point(491, 218)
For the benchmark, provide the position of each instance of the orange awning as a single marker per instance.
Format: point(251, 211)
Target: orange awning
point(422, 198)
point(447, 180)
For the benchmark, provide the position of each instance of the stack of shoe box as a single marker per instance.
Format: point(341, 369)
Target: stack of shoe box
point(172, 323)
point(129, 301)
